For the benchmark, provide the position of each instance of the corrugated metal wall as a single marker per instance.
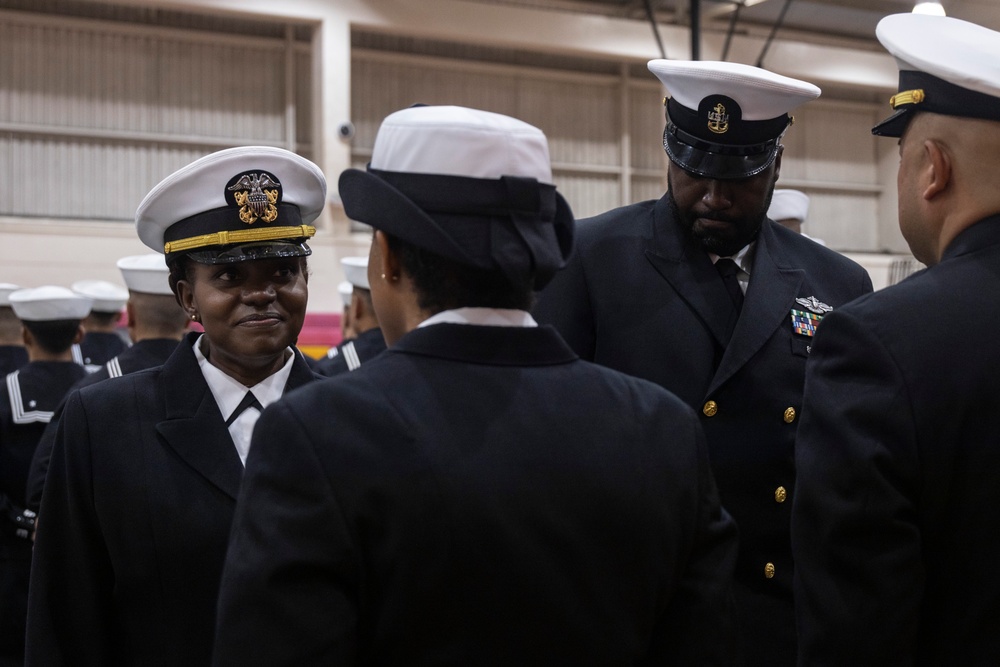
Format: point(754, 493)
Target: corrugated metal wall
point(94, 113)
point(604, 121)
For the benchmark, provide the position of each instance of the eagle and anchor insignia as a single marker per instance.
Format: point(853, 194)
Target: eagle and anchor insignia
point(257, 195)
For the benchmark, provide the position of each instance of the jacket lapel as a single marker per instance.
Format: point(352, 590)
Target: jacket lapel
point(770, 296)
point(194, 427)
point(688, 269)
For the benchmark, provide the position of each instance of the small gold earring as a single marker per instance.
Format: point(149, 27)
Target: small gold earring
point(383, 276)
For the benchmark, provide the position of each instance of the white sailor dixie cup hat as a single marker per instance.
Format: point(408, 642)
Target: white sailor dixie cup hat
point(356, 271)
point(472, 186)
point(788, 205)
point(49, 303)
point(346, 290)
point(106, 297)
point(725, 120)
point(239, 204)
point(147, 274)
point(946, 66)
point(5, 291)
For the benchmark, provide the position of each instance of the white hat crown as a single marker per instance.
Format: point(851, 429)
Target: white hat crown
point(106, 297)
point(147, 274)
point(356, 271)
point(5, 291)
point(457, 141)
point(49, 303)
point(788, 205)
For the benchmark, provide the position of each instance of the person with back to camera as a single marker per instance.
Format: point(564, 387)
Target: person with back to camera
point(101, 341)
point(702, 294)
point(156, 324)
point(13, 354)
point(145, 468)
point(50, 318)
point(476, 494)
point(367, 341)
point(895, 522)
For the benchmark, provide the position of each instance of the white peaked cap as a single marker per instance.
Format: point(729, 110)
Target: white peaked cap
point(44, 304)
point(959, 52)
point(946, 66)
point(789, 205)
point(356, 271)
point(196, 195)
point(147, 274)
point(457, 141)
point(5, 292)
point(761, 94)
point(106, 297)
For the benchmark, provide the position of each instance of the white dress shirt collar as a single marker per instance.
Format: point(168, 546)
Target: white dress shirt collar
point(489, 317)
point(229, 392)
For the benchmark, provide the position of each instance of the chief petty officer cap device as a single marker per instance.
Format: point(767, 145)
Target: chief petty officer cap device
point(239, 204)
point(946, 66)
point(49, 303)
point(469, 185)
point(725, 120)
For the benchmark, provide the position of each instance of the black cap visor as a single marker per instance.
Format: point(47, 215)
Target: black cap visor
point(723, 162)
point(923, 92)
point(249, 252)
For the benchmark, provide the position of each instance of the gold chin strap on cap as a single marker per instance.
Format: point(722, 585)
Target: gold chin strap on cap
point(907, 97)
point(239, 236)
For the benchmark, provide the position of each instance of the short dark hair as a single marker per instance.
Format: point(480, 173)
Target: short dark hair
point(104, 318)
point(444, 284)
point(53, 336)
point(180, 269)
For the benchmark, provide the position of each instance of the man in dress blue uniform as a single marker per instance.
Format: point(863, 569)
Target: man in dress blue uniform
point(702, 294)
point(101, 342)
point(13, 354)
point(475, 495)
point(156, 324)
point(895, 520)
point(368, 341)
point(51, 318)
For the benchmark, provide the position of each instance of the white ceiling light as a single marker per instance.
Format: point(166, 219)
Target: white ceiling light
point(930, 8)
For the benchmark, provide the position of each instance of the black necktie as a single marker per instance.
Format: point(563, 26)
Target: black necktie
point(727, 269)
point(249, 401)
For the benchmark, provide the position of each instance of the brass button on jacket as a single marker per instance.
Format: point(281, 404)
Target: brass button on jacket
point(710, 408)
point(780, 494)
point(789, 415)
point(769, 571)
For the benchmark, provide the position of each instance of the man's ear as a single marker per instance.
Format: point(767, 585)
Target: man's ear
point(26, 337)
point(79, 335)
point(936, 173)
point(130, 314)
point(357, 307)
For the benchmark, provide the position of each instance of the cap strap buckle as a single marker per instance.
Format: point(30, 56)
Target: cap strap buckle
point(907, 97)
point(239, 236)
